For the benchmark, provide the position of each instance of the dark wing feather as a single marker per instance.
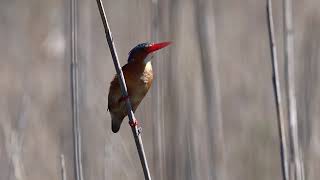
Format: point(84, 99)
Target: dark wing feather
point(114, 94)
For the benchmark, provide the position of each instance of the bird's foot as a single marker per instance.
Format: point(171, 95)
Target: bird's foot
point(133, 123)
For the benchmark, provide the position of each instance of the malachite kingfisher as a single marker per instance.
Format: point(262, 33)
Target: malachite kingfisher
point(138, 76)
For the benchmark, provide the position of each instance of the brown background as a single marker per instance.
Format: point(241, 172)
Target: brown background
point(210, 113)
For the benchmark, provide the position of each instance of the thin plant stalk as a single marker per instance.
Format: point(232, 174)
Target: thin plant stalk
point(156, 90)
point(206, 31)
point(75, 94)
point(277, 92)
point(296, 158)
point(63, 168)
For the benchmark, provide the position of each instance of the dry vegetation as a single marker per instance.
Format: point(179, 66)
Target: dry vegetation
point(222, 42)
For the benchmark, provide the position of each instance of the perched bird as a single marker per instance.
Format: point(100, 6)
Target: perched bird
point(138, 75)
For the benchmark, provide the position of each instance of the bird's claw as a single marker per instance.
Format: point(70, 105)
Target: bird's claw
point(133, 123)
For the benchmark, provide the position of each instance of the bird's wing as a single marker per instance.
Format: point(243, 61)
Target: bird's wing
point(114, 97)
point(114, 93)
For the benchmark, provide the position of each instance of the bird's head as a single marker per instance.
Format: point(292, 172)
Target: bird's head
point(142, 53)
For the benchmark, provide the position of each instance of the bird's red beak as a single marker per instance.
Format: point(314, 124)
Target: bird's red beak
point(156, 46)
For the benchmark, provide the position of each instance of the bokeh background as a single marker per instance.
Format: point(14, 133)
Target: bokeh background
point(210, 114)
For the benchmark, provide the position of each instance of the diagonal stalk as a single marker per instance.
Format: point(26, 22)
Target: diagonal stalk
point(277, 94)
point(135, 130)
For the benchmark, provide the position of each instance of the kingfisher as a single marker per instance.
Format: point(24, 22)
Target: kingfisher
point(138, 76)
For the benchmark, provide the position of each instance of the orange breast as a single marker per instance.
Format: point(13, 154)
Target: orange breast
point(138, 79)
point(138, 83)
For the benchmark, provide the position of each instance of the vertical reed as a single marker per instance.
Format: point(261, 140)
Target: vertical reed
point(277, 94)
point(296, 158)
point(75, 93)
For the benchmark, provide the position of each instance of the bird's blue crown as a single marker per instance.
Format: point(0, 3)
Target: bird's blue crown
point(139, 47)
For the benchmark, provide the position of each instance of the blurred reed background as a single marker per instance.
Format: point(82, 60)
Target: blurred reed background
point(210, 114)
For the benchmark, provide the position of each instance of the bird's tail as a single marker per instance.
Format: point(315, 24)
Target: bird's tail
point(115, 122)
